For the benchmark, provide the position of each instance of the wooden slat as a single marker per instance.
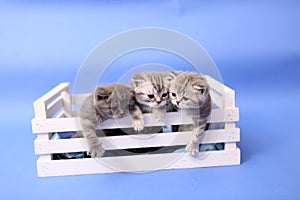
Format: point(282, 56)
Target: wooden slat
point(44, 137)
point(61, 114)
point(227, 93)
point(40, 105)
point(136, 163)
point(79, 98)
point(229, 98)
point(136, 141)
point(230, 145)
point(218, 86)
point(54, 106)
point(217, 99)
point(67, 101)
point(52, 94)
point(72, 123)
point(40, 110)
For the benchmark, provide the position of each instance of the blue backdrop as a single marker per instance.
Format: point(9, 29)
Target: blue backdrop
point(255, 45)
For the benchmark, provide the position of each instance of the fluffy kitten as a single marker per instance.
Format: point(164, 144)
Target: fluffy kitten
point(189, 92)
point(151, 95)
point(107, 101)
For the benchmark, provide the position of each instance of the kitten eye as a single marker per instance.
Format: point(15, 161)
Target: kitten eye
point(173, 94)
point(185, 98)
point(200, 89)
point(164, 94)
point(99, 97)
point(151, 96)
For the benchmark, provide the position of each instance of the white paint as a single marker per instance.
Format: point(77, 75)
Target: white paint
point(72, 123)
point(136, 163)
point(59, 98)
point(136, 141)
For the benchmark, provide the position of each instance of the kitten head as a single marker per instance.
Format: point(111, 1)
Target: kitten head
point(150, 88)
point(112, 100)
point(188, 90)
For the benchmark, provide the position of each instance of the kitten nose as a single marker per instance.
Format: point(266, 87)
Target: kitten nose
point(158, 102)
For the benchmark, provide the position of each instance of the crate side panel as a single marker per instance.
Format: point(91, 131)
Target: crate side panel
point(136, 141)
point(53, 93)
point(54, 107)
point(78, 99)
point(72, 123)
point(136, 163)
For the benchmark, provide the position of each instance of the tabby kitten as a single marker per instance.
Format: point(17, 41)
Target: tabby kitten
point(107, 101)
point(151, 95)
point(189, 92)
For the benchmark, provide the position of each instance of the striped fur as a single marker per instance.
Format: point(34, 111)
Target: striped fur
point(151, 95)
point(107, 101)
point(189, 92)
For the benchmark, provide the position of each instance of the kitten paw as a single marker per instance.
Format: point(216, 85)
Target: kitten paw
point(96, 152)
point(138, 125)
point(192, 148)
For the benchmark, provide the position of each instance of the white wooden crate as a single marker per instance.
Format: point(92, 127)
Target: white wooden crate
point(53, 113)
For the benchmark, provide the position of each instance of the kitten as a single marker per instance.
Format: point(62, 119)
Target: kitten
point(189, 92)
point(150, 95)
point(107, 101)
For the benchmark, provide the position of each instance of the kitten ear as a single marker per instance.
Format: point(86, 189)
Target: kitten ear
point(137, 80)
point(199, 88)
point(101, 90)
point(171, 76)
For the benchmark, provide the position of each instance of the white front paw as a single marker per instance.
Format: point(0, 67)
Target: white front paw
point(138, 124)
point(96, 151)
point(192, 148)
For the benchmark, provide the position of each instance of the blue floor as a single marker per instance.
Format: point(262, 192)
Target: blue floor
point(257, 53)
